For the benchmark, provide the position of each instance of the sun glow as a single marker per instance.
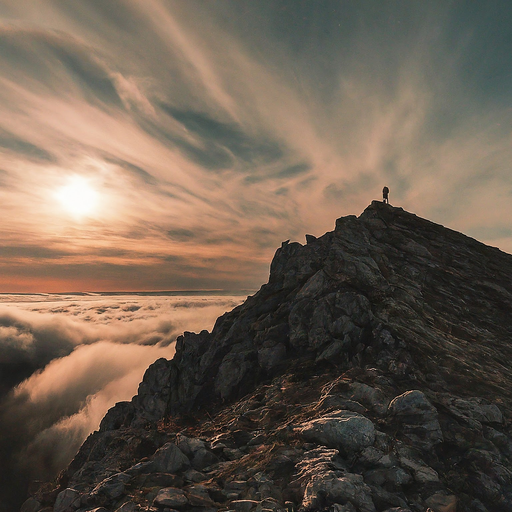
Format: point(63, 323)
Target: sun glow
point(78, 197)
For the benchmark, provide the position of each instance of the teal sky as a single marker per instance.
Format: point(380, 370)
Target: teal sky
point(174, 144)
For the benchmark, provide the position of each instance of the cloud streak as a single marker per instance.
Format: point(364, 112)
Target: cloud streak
point(200, 124)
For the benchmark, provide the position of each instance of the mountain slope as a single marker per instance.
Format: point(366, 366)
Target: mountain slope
point(372, 371)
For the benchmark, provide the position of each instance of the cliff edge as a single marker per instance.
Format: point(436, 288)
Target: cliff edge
point(371, 373)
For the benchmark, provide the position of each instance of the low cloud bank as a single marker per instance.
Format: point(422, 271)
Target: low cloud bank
point(60, 405)
point(69, 362)
point(34, 333)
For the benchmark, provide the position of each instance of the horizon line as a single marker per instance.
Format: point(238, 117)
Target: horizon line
point(120, 292)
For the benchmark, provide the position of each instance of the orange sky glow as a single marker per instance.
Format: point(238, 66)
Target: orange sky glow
point(164, 145)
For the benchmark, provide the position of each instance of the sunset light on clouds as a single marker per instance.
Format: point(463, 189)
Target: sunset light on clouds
point(164, 145)
point(154, 154)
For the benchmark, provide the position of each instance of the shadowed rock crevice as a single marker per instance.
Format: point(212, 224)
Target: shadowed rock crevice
point(369, 374)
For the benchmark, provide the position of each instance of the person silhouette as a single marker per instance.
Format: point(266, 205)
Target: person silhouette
point(385, 195)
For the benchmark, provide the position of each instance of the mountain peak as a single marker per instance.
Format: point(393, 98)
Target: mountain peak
point(369, 372)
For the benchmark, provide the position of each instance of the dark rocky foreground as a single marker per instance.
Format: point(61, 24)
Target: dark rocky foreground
point(371, 373)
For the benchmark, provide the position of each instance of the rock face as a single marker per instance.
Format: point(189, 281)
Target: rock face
point(371, 373)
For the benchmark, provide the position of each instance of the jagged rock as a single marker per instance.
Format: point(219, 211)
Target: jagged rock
point(327, 488)
point(189, 445)
point(418, 418)
point(339, 402)
point(169, 459)
point(236, 488)
point(67, 500)
point(371, 456)
point(196, 450)
point(112, 487)
point(120, 415)
point(152, 398)
point(370, 397)
point(475, 411)
point(170, 497)
point(204, 458)
point(192, 475)
point(345, 430)
point(383, 498)
point(198, 496)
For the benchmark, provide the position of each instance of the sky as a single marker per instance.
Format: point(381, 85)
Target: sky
point(174, 144)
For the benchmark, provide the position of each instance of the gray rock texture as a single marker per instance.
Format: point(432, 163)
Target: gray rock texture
point(348, 431)
point(371, 373)
point(67, 500)
point(169, 459)
point(417, 418)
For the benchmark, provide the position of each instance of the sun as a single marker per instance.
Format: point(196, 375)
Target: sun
point(78, 197)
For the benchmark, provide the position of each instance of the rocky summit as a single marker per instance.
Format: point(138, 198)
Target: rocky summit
point(371, 373)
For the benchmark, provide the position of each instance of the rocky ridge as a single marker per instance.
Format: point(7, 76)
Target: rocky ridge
point(371, 373)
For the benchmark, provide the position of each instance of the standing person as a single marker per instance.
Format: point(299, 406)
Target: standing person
point(385, 195)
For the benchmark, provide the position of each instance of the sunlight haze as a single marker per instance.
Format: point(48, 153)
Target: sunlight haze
point(206, 133)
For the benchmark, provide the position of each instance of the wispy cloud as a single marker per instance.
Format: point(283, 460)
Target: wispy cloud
point(199, 124)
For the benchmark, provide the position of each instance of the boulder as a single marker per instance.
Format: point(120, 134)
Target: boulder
point(372, 398)
point(198, 496)
point(328, 488)
point(189, 445)
point(112, 487)
point(197, 450)
point(417, 419)
point(67, 500)
point(169, 459)
point(345, 430)
point(203, 458)
point(170, 497)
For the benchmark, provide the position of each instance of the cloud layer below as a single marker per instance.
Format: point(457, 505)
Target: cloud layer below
point(72, 359)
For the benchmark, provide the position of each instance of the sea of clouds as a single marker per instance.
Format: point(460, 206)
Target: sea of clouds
point(66, 359)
